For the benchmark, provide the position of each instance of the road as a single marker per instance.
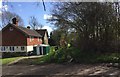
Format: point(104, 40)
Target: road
point(62, 69)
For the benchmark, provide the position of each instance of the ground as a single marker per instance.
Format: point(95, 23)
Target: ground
point(62, 69)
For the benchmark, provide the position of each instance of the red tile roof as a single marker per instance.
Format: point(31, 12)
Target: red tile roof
point(26, 31)
point(29, 31)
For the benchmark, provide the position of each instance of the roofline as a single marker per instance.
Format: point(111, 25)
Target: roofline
point(18, 29)
point(42, 30)
point(28, 34)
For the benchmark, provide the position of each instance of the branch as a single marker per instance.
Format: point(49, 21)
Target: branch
point(44, 5)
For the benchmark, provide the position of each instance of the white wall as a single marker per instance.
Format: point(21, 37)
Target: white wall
point(16, 49)
point(29, 48)
point(45, 39)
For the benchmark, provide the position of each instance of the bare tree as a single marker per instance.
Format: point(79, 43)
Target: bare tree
point(7, 16)
point(33, 22)
point(95, 23)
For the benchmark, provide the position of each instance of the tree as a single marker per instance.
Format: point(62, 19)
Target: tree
point(7, 17)
point(94, 22)
point(33, 22)
point(56, 36)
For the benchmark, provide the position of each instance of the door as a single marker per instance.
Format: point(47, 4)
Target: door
point(34, 51)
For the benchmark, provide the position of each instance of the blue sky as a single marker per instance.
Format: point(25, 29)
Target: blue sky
point(27, 9)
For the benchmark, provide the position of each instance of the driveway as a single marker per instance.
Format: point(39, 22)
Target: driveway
point(62, 70)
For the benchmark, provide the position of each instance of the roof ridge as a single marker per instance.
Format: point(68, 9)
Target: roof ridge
point(27, 31)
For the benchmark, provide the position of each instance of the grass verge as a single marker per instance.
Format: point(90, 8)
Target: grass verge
point(8, 60)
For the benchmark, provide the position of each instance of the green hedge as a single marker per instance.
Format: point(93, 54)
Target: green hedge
point(65, 55)
point(13, 54)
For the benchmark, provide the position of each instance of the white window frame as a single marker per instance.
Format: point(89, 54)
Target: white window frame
point(22, 48)
point(2, 48)
point(12, 48)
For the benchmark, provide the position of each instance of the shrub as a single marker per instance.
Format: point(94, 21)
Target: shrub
point(13, 54)
point(67, 54)
point(49, 57)
point(60, 55)
point(109, 58)
point(57, 56)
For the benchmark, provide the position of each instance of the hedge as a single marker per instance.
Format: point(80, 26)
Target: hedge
point(13, 54)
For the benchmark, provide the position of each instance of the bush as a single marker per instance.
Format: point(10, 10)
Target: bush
point(57, 56)
point(60, 55)
point(109, 58)
point(67, 54)
point(13, 54)
point(49, 57)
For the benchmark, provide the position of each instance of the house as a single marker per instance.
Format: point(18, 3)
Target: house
point(20, 39)
point(44, 34)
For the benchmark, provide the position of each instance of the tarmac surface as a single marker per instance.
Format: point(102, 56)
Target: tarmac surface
point(60, 70)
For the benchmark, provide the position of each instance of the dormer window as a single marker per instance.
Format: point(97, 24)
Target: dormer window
point(32, 38)
point(11, 29)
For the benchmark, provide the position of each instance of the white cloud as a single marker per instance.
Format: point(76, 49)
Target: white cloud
point(46, 16)
point(49, 29)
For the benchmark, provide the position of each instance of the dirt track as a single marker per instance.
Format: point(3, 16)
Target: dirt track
point(62, 69)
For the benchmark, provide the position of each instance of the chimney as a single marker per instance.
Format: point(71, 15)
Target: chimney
point(15, 21)
point(28, 27)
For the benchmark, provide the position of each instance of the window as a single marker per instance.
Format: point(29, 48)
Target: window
point(11, 29)
point(22, 48)
point(6, 47)
point(2, 48)
point(39, 39)
point(11, 48)
point(32, 38)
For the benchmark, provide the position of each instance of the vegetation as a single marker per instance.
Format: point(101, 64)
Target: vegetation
point(33, 22)
point(92, 29)
point(76, 56)
point(13, 54)
point(95, 25)
point(8, 60)
point(7, 16)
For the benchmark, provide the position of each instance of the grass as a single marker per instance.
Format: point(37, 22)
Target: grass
point(8, 60)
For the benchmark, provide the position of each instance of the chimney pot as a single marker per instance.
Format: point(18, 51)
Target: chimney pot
point(28, 27)
point(15, 21)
